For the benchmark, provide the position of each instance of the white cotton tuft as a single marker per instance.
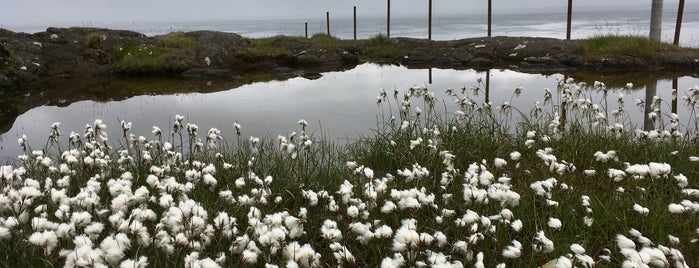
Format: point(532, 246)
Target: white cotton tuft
point(555, 223)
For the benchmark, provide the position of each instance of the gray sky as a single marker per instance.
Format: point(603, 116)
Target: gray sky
point(18, 13)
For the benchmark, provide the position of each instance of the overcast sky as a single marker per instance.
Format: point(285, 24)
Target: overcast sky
point(18, 13)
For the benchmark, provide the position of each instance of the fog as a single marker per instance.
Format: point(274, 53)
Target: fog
point(45, 13)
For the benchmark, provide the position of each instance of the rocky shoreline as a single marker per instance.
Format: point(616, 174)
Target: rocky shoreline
point(29, 59)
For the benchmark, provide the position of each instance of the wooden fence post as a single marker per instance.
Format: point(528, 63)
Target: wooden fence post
point(570, 16)
point(678, 25)
point(490, 15)
point(487, 86)
point(430, 75)
point(388, 19)
point(675, 87)
point(306, 29)
point(429, 21)
point(355, 23)
point(327, 21)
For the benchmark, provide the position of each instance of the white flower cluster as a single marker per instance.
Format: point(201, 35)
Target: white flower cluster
point(156, 202)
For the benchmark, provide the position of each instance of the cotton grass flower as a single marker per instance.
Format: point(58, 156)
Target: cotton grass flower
point(342, 254)
point(499, 162)
point(541, 243)
point(676, 208)
point(605, 157)
point(142, 262)
point(330, 232)
point(554, 223)
point(640, 209)
point(46, 239)
point(406, 238)
point(514, 251)
point(624, 242)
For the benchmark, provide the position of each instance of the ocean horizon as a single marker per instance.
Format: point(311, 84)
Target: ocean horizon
point(585, 24)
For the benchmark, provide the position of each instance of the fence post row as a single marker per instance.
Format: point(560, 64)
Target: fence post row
point(678, 25)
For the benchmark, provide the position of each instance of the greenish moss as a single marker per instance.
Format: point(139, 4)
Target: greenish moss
point(381, 46)
point(264, 48)
point(327, 41)
point(143, 58)
point(634, 46)
point(146, 58)
point(94, 40)
point(177, 40)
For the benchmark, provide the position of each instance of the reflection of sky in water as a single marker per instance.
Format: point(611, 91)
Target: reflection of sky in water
point(340, 104)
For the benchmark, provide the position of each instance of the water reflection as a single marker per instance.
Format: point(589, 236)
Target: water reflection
point(651, 91)
point(339, 106)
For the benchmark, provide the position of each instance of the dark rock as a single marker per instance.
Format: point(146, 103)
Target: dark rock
point(99, 56)
point(463, 57)
point(349, 58)
point(212, 74)
point(353, 49)
point(571, 60)
point(311, 75)
point(262, 66)
point(5, 83)
point(480, 62)
point(4, 53)
point(17, 80)
point(219, 39)
point(620, 63)
point(284, 72)
point(545, 60)
point(216, 46)
point(542, 68)
point(306, 60)
point(676, 59)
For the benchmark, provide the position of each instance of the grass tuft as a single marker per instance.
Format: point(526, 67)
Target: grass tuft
point(383, 47)
point(177, 40)
point(634, 46)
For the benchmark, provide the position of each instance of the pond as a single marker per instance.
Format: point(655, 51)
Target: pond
point(339, 106)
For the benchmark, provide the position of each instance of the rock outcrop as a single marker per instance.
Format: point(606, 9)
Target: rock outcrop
point(27, 59)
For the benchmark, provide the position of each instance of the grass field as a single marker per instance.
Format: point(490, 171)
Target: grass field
point(485, 185)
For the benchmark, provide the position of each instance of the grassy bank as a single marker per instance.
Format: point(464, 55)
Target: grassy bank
point(484, 185)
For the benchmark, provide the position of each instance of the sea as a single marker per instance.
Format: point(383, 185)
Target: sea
point(585, 23)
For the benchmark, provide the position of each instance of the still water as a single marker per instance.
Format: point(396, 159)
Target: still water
point(340, 106)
